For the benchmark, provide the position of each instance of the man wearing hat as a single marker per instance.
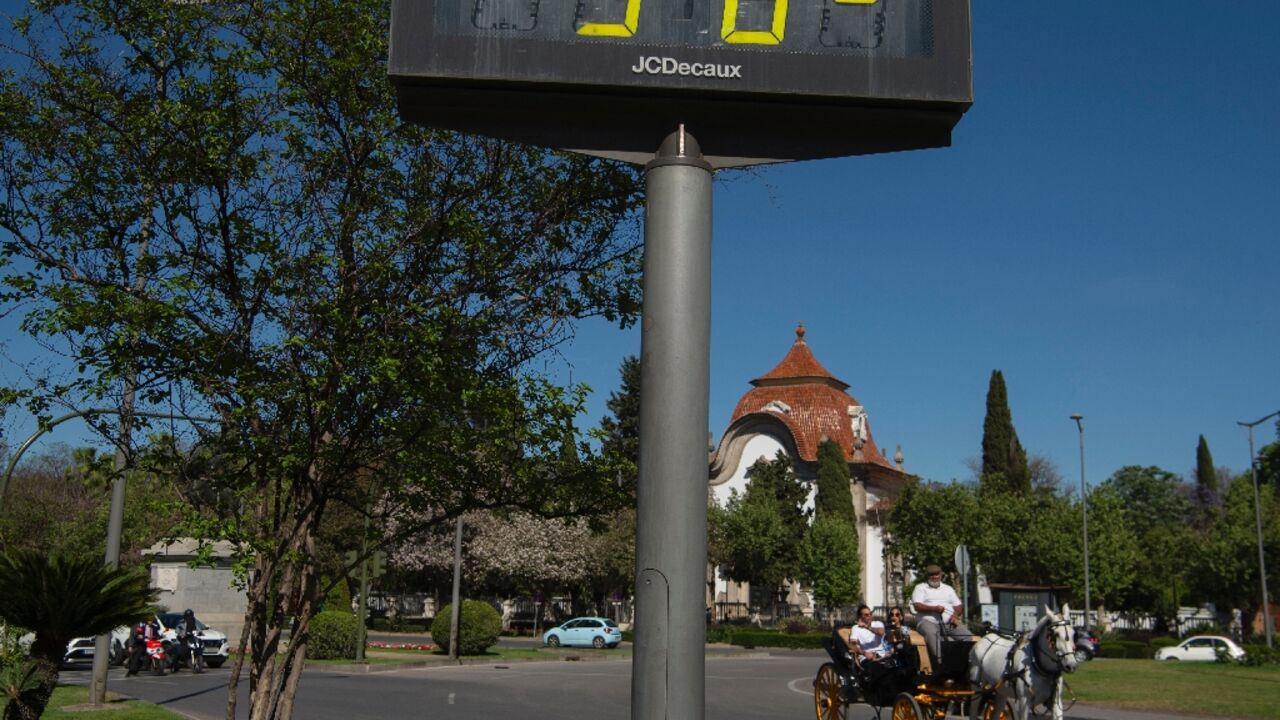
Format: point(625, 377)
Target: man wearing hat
point(937, 612)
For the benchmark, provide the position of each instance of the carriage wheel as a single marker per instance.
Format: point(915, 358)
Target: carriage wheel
point(995, 708)
point(827, 704)
point(906, 708)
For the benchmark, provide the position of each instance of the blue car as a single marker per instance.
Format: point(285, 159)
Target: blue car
point(583, 632)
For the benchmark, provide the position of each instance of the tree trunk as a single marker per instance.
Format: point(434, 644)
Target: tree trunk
point(280, 593)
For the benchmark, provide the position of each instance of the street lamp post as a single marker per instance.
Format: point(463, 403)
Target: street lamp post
point(1084, 507)
point(1257, 515)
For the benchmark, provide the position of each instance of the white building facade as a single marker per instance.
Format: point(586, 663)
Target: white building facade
point(793, 408)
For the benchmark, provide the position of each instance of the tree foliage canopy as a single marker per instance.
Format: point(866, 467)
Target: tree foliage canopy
point(757, 536)
point(219, 201)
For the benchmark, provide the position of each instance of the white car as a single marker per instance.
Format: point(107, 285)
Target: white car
point(216, 647)
point(80, 650)
point(1201, 647)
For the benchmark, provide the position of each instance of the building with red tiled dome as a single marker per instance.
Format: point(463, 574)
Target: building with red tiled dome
point(793, 408)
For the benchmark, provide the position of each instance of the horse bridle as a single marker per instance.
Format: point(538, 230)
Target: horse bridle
point(1039, 656)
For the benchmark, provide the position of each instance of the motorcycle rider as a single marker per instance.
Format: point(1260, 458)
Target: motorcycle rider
point(141, 632)
point(186, 638)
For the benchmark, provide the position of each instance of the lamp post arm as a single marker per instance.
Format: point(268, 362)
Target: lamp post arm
point(26, 444)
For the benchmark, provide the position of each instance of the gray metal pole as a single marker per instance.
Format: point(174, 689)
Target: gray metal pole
point(362, 615)
point(1257, 516)
point(1084, 507)
point(667, 681)
point(455, 617)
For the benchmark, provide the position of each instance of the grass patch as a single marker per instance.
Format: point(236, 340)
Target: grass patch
point(65, 696)
point(1188, 687)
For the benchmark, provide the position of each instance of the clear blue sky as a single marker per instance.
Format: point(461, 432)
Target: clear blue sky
point(1101, 231)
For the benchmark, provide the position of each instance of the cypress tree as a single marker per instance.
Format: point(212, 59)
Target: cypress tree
point(834, 497)
point(620, 444)
point(1206, 475)
point(1002, 453)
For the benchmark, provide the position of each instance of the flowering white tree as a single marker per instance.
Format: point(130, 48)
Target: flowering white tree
point(506, 550)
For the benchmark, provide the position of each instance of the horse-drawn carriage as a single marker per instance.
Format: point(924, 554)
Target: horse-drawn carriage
point(1000, 676)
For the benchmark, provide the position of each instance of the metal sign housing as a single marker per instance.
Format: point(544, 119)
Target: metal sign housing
point(753, 80)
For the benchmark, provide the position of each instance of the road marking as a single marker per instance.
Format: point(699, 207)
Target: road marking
point(451, 698)
point(807, 690)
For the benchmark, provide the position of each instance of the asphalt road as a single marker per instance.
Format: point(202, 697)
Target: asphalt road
point(772, 687)
point(760, 686)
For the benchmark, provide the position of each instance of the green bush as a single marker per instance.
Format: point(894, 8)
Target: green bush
point(1131, 649)
point(1256, 655)
point(720, 634)
point(479, 626)
point(401, 625)
point(1163, 642)
point(752, 638)
point(332, 636)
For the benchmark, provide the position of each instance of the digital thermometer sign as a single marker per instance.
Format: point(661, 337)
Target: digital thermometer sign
point(753, 80)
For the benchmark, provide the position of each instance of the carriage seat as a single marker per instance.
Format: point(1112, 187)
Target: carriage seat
point(844, 636)
point(917, 642)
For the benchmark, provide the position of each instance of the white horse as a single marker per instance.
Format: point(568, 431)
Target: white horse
point(1026, 669)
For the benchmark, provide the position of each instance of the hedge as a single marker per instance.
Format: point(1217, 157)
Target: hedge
point(479, 628)
point(766, 638)
point(1131, 649)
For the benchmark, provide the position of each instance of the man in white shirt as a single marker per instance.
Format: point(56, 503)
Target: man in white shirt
point(937, 612)
point(863, 638)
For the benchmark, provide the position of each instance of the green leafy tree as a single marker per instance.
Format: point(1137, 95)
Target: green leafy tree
point(59, 598)
point(1004, 461)
point(1151, 496)
point(1023, 536)
point(757, 538)
point(1269, 464)
point(830, 562)
point(1114, 551)
point(928, 520)
point(59, 503)
point(1159, 509)
point(834, 498)
point(216, 205)
point(1230, 559)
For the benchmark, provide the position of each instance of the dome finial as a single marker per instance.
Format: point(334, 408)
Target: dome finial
point(800, 332)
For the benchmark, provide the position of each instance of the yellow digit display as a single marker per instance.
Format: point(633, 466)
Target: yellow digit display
point(731, 34)
point(626, 28)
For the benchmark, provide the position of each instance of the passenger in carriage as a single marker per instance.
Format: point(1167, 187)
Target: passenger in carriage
point(937, 613)
point(865, 639)
point(879, 669)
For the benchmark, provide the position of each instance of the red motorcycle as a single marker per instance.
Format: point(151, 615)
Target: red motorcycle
point(157, 656)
